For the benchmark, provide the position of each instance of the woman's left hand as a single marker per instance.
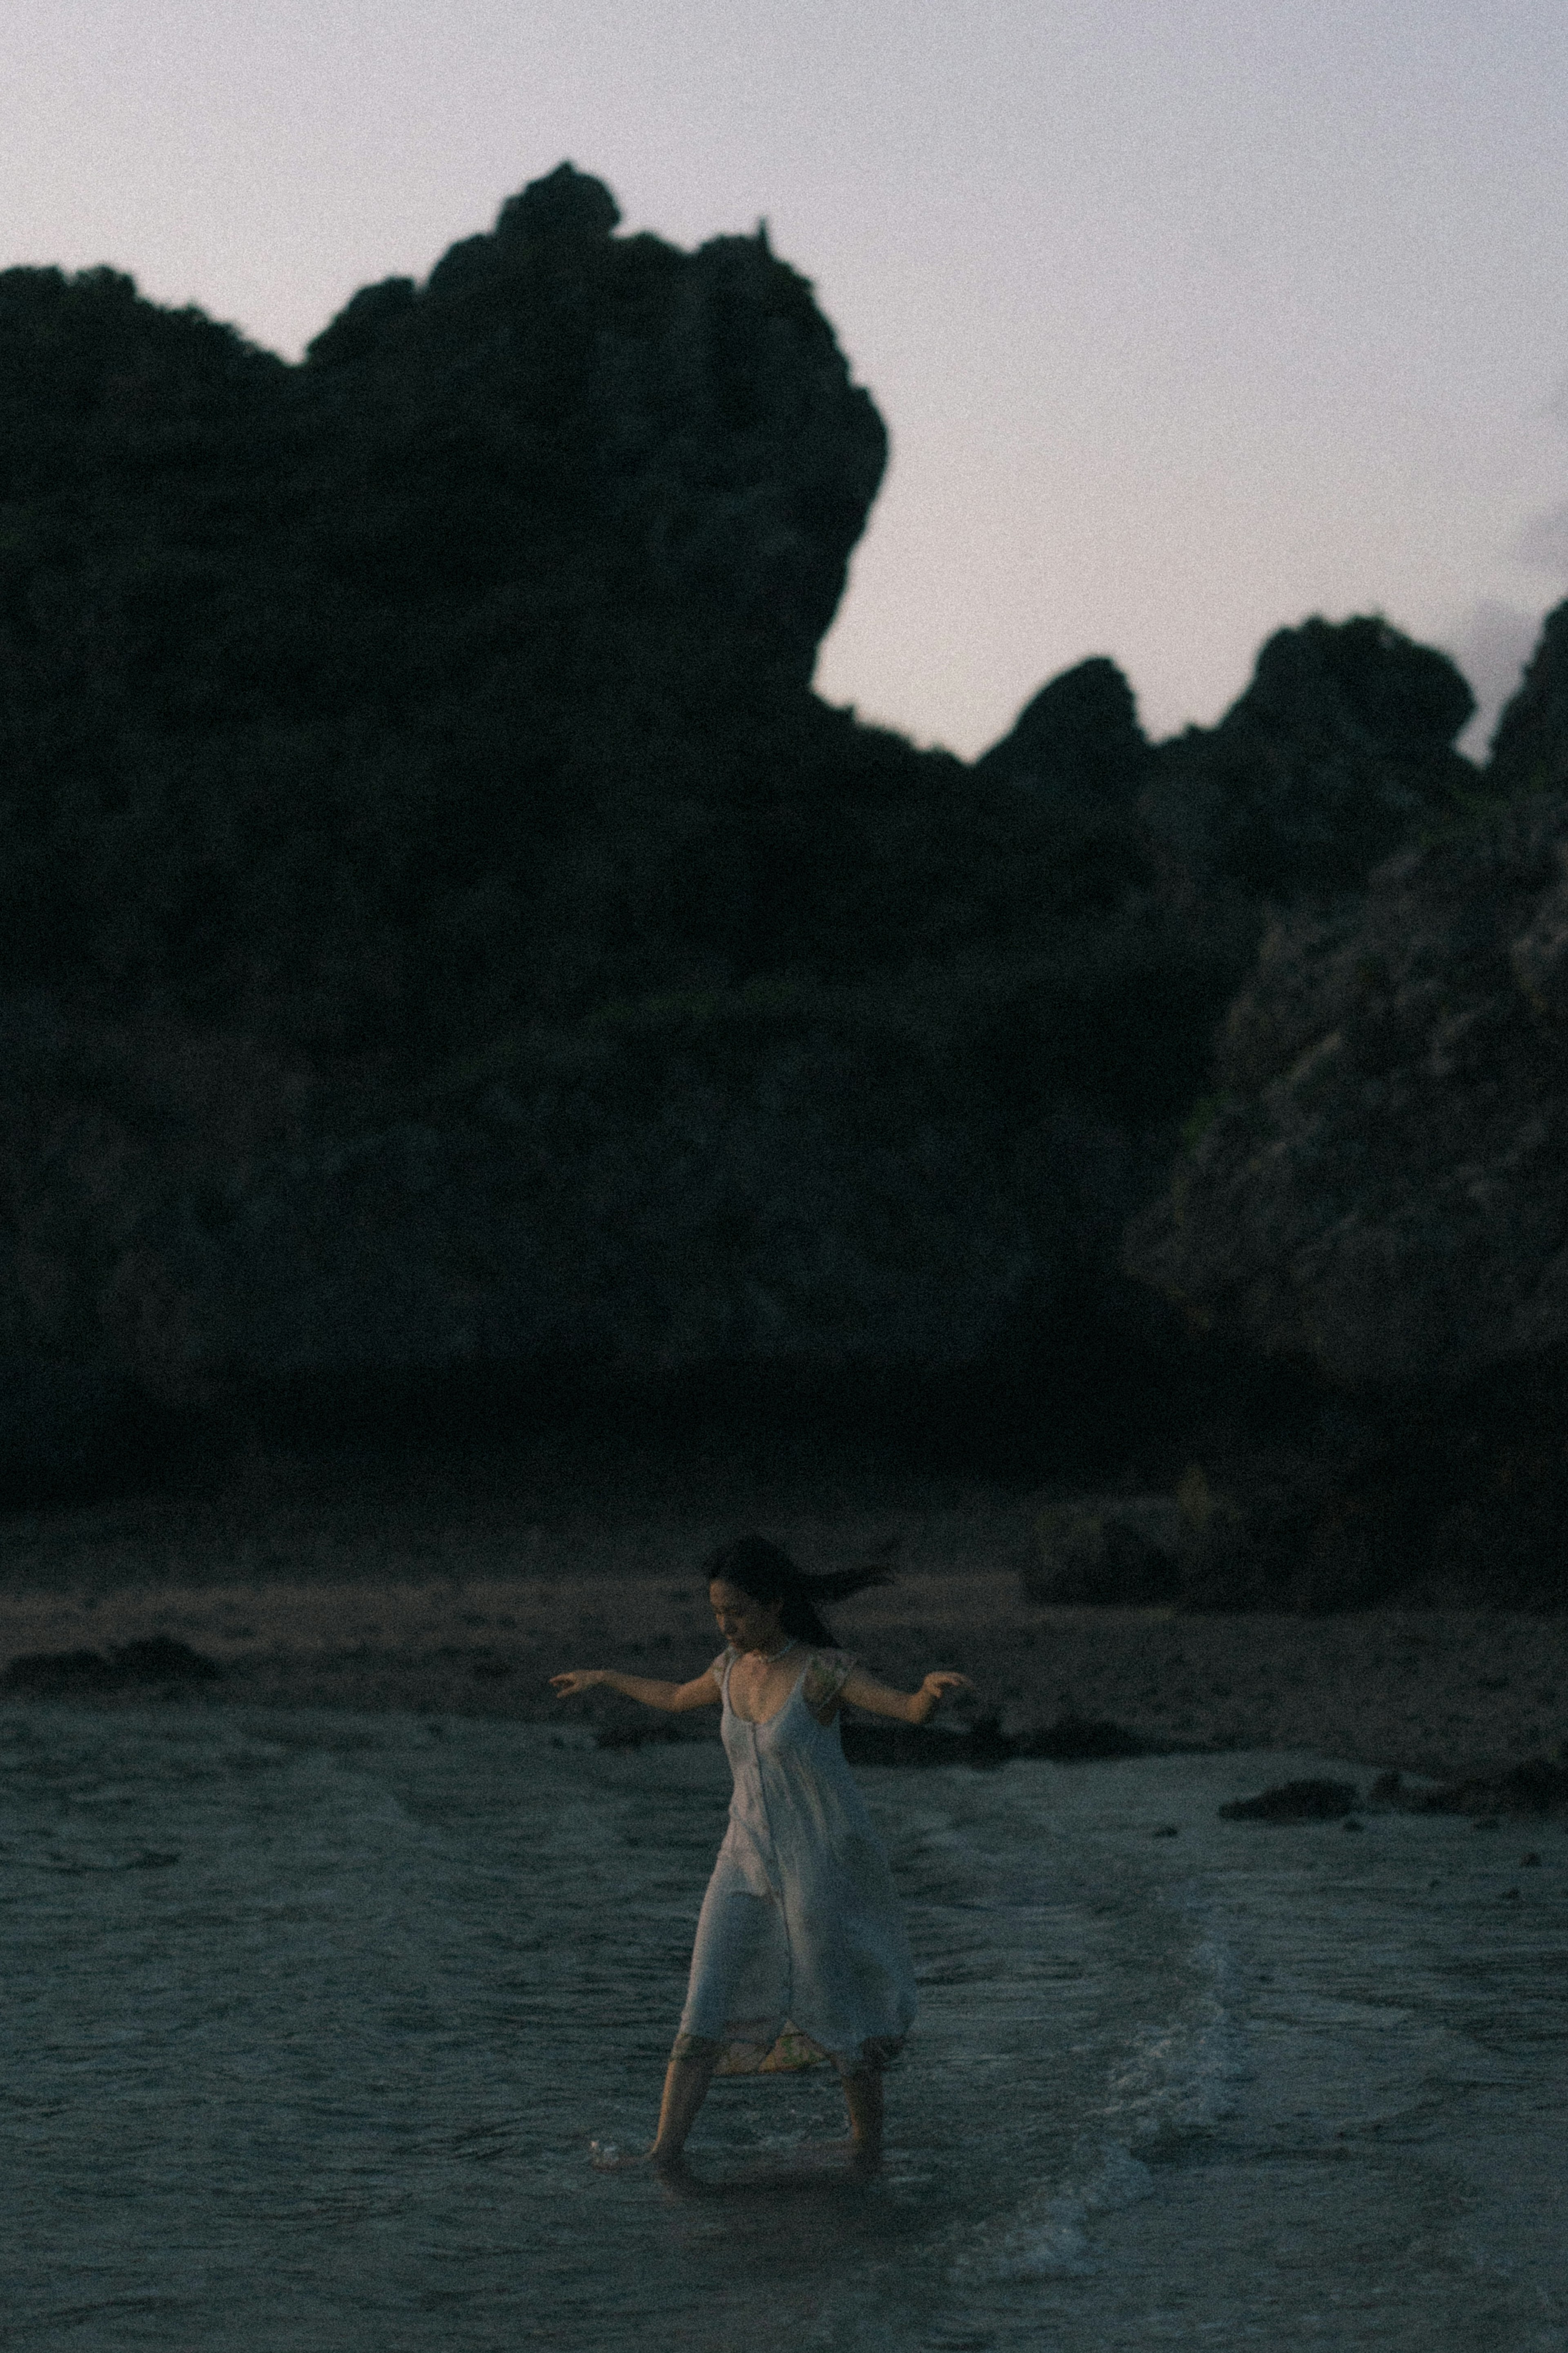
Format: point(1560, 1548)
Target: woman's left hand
point(942, 1681)
point(904, 1707)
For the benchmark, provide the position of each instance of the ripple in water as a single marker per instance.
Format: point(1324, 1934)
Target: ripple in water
point(311, 2019)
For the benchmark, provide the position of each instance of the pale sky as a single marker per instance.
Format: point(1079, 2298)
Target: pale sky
point(1188, 318)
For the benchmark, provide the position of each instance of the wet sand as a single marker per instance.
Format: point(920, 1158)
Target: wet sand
point(460, 1591)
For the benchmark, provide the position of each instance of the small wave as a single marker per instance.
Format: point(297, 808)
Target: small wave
point(1178, 2080)
point(1052, 2241)
point(1174, 2084)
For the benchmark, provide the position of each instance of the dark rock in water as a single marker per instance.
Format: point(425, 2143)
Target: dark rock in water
point(1295, 1802)
point(984, 1744)
point(1075, 1739)
point(158, 1660)
point(50, 1673)
point(1121, 1550)
point(1538, 1786)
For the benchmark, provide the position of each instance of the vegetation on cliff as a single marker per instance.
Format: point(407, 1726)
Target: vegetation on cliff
point(440, 928)
point(1380, 1191)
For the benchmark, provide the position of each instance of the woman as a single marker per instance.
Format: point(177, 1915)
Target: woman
point(800, 1953)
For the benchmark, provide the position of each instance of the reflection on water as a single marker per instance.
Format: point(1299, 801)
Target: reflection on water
point(311, 2019)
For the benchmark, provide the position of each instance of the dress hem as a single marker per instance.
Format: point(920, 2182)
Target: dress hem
point(786, 2053)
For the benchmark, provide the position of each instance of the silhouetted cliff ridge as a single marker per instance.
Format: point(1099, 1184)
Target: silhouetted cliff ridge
point(440, 928)
point(1378, 1187)
point(441, 932)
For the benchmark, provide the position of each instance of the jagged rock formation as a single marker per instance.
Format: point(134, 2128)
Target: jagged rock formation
point(404, 694)
point(440, 929)
point(1078, 745)
point(1379, 1190)
point(1341, 746)
point(1530, 747)
point(1383, 1185)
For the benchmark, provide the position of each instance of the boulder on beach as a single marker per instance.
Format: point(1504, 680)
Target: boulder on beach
point(1107, 1548)
point(156, 1661)
point(1295, 1802)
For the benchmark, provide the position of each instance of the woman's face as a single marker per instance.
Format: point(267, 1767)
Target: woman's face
point(745, 1623)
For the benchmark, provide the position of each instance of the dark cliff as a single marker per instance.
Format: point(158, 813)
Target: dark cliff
point(1378, 1191)
point(444, 939)
point(440, 928)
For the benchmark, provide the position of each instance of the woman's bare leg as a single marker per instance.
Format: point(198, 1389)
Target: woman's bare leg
point(863, 2097)
point(685, 2082)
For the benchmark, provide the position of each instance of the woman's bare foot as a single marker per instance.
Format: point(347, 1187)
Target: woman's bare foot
point(829, 2155)
point(606, 2157)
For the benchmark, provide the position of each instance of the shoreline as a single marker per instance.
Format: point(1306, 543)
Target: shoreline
point(460, 1592)
point(1442, 1693)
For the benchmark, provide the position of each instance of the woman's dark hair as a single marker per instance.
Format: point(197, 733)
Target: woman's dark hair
point(755, 1566)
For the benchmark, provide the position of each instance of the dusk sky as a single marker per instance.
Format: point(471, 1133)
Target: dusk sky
point(1187, 321)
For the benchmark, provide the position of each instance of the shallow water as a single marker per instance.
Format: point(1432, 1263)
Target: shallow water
point(310, 2020)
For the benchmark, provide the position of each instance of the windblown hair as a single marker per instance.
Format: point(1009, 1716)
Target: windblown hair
point(753, 1566)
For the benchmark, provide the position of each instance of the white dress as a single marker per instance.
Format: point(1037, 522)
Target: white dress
point(800, 1951)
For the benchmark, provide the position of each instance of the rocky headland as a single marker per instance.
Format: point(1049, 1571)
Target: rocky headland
point(1376, 1189)
point(450, 960)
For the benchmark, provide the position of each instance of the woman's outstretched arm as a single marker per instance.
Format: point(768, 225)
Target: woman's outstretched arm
point(909, 1707)
point(677, 1698)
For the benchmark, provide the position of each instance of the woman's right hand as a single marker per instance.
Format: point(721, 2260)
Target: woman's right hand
point(576, 1679)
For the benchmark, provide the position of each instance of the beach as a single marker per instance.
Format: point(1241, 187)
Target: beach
point(459, 1588)
point(346, 1954)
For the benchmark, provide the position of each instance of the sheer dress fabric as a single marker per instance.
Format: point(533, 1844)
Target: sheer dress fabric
point(800, 1953)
